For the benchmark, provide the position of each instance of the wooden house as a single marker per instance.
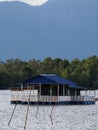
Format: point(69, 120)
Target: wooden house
point(48, 89)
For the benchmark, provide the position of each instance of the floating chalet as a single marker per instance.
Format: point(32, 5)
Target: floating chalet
point(49, 89)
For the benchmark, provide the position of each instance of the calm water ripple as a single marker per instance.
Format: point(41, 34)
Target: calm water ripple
point(72, 117)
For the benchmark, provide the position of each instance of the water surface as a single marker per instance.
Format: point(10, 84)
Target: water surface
point(72, 117)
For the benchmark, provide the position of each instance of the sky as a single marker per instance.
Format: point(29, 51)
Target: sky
point(38, 29)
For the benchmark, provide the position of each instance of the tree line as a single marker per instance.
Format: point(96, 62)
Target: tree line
point(83, 72)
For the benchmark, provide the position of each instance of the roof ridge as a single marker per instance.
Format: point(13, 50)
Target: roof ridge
point(48, 75)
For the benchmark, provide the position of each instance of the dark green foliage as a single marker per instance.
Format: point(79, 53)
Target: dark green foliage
point(84, 72)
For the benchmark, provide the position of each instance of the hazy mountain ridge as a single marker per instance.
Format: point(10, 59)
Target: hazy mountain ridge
point(29, 2)
point(58, 29)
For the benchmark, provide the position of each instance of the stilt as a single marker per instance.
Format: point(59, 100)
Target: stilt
point(12, 114)
point(13, 109)
point(51, 115)
point(38, 100)
point(37, 105)
point(27, 110)
point(37, 110)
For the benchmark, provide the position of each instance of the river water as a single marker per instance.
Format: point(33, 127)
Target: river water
point(71, 117)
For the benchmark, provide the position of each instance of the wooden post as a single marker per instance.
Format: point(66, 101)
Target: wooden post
point(33, 89)
point(12, 114)
point(13, 110)
point(63, 90)
point(51, 90)
point(51, 115)
point(40, 90)
point(21, 86)
point(27, 110)
point(68, 91)
point(38, 100)
point(58, 92)
point(76, 95)
point(50, 99)
point(75, 92)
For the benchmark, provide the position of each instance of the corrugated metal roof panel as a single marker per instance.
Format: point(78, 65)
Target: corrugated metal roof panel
point(39, 80)
point(58, 79)
point(48, 79)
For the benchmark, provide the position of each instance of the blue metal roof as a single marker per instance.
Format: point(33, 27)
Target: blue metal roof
point(50, 79)
point(58, 79)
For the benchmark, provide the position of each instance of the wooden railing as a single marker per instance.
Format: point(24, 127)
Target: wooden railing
point(48, 98)
point(42, 98)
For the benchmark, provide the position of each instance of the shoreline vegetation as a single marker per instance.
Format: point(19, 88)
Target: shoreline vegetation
point(84, 72)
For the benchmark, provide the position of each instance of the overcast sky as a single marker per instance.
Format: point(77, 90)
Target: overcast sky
point(57, 28)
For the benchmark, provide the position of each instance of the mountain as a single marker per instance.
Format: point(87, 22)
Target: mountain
point(58, 28)
point(29, 2)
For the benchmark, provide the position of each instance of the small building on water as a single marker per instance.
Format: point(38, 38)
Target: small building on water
point(48, 89)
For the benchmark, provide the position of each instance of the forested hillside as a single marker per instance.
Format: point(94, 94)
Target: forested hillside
point(84, 72)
